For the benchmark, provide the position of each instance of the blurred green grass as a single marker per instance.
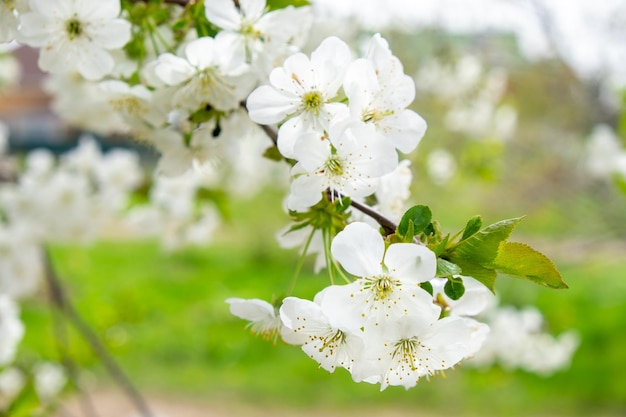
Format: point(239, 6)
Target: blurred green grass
point(163, 316)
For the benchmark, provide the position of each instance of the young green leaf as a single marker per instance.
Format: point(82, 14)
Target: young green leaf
point(473, 225)
point(482, 247)
point(520, 260)
point(447, 268)
point(417, 216)
point(484, 275)
point(454, 288)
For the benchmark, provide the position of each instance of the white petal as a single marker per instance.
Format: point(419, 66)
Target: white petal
point(405, 129)
point(35, 29)
point(266, 105)
point(305, 191)
point(329, 62)
point(223, 14)
point(310, 148)
point(252, 309)
point(359, 248)
point(95, 63)
point(411, 262)
point(111, 34)
point(449, 342)
point(303, 316)
point(360, 85)
point(98, 9)
point(252, 9)
point(172, 69)
point(200, 52)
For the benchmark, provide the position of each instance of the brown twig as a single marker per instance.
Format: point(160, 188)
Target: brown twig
point(60, 299)
point(388, 226)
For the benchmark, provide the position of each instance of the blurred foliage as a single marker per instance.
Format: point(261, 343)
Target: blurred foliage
point(540, 171)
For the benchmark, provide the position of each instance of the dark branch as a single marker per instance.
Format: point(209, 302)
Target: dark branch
point(60, 299)
point(388, 226)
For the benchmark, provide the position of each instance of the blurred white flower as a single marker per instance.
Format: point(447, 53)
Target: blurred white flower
point(263, 37)
point(605, 154)
point(12, 380)
point(21, 267)
point(210, 73)
point(75, 36)
point(50, 379)
point(441, 166)
point(517, 340)
point(11, 329)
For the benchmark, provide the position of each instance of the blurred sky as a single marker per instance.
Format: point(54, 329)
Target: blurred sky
point(590, 35)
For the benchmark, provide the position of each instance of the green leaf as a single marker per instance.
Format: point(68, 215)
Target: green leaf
point(280, 4)
point(427, 286)
point(417, 218)
point(473, 225)
point(201, 116)
point(454, 288)
point(273, 154)
point(484, 275)
point(447, 268)
point(482, 248)
point(441, 247)
point(520, 260)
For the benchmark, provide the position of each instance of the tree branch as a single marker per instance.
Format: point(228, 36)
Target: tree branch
point(388, 226)
point(60, 299)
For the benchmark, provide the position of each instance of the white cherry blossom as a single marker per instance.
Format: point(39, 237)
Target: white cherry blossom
point(325, 339)
point(302, 90)
point(264, 37)
point(387, 284)
point(75, 36)
point(350, 162)
point(411, 347)
point(379, 93)
point(211, 73)
point(264, 319)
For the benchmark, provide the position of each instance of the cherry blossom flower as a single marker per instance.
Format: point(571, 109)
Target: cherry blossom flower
point(264, 319)
point(411, 347)
point(75, 36)
point(350, 162)
point(264, 37)
point(387, 286)
point(302, 90)
point(325, 340)
point(133, 103)
point(211, 73)
point(379, 92)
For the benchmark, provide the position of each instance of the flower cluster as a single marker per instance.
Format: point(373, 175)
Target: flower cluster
point(341, 119)
point(518, 340)
point(383, 327)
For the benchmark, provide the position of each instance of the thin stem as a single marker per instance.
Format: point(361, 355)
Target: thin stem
point(62, 341)
point(384, 222)
point(292, 284)
point(340, 271)
point(60, 299)
point(327, 255)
